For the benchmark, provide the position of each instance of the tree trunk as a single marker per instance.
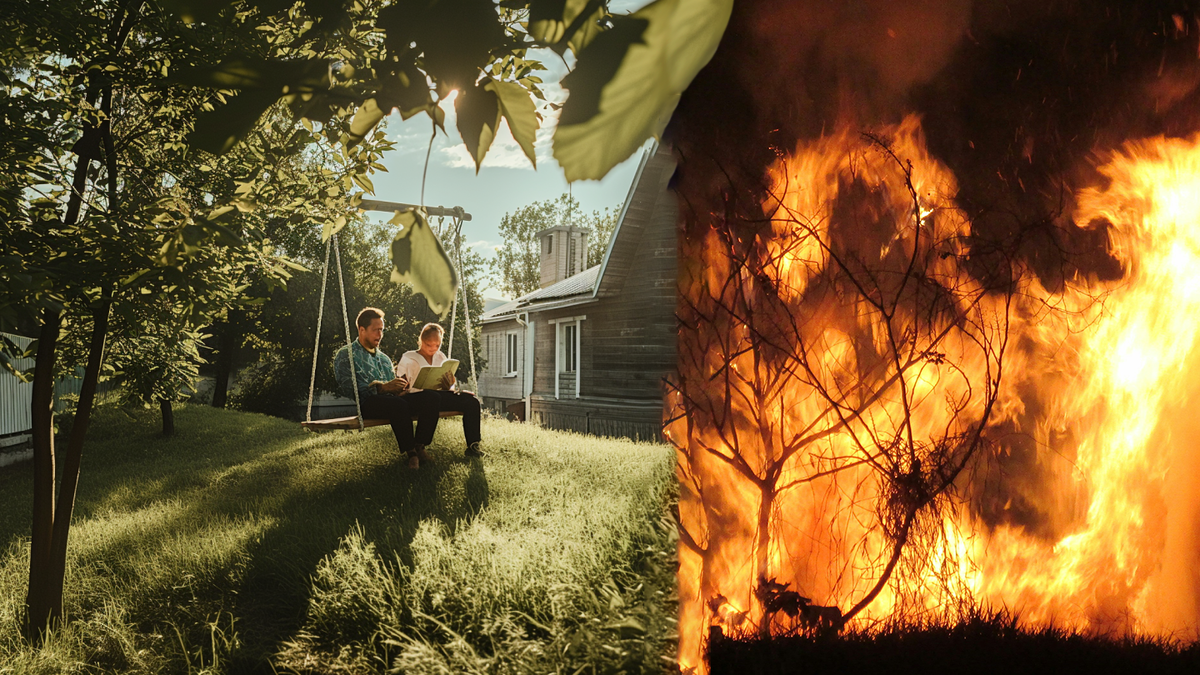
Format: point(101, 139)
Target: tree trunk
point(38, 604)
point(49, 536)
point(70, 475)
point(224, 363)
point(762, 547)
point(168, 417)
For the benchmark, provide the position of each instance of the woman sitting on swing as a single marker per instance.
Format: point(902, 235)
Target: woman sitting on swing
point(427, 404)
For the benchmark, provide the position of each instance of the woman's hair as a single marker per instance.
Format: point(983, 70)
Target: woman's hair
point(429, 329)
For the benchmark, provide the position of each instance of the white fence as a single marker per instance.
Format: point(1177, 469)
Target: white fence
point(15, 396)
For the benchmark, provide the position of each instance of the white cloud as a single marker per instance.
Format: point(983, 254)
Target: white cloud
point(505, 153)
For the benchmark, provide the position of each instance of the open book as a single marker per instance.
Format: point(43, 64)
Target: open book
point(430, 377)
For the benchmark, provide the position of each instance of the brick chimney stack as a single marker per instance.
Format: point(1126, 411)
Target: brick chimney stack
point(564, 252)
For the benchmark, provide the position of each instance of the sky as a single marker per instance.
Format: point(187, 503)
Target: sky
point(507, 180)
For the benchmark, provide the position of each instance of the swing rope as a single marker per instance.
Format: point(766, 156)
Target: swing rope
point(466, 307)
point(349, 338)
point(312, 381)
point(331, 243)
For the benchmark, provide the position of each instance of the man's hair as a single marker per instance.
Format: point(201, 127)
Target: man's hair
point(429, 329)
point(368, 315)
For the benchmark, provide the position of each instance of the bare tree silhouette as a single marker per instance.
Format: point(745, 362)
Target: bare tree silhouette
point(839, 356)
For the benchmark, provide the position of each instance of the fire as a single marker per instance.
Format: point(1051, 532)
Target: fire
point(882, 413)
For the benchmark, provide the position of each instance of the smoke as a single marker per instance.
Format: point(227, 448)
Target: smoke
point(851, 57)
point(1019, 98)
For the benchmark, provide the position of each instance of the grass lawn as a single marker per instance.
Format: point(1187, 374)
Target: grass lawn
point(245, 545)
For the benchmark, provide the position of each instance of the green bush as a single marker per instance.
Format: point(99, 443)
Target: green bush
point(274, 385)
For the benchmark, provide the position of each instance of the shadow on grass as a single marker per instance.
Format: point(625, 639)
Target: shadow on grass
point(302, 492)
point(388, 504)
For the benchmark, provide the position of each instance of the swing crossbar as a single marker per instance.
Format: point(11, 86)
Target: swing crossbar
point(435, 211)
point(351, 423)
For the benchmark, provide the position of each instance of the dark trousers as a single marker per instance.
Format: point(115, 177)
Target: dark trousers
point(428, 403)
point(395, 409)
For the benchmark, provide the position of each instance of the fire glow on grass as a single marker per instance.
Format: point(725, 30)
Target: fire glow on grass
point(860, 372)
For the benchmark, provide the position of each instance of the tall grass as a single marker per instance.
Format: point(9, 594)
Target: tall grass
point(246, 545)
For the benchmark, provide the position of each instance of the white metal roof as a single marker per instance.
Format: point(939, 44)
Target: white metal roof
point(558, 293)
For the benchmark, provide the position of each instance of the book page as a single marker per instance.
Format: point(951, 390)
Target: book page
point(430, 377)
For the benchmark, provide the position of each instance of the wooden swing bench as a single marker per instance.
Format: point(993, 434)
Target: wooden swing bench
point(351, 423)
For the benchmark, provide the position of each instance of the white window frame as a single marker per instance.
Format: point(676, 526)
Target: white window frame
point(559, 356)
point(511, 354)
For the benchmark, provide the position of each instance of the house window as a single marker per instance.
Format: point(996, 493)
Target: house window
point(571, 257)
point(548, 244)
point(510, 363)
point(570, 353)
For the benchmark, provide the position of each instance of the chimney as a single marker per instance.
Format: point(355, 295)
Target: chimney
point(564, 253)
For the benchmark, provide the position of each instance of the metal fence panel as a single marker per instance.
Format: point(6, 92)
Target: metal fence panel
point(15, 395)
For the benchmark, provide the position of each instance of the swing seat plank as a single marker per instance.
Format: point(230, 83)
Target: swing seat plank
point(351, 423)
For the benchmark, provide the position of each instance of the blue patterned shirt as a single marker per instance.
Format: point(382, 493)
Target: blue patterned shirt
point(368, 368)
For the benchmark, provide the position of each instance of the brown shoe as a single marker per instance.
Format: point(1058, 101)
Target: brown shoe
point(473, 450)
point(419, 451)
point(414, 462)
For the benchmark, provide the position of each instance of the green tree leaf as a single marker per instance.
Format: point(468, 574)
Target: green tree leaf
point(191, 11)
point(406, 90)
point(651, 56)
point(419, 260)
point(369, 114)
point(283, 77)
point(588, 29)
point(456, 37)
point(548, 19)
point(262, 83)
point(519, 110)
point(564, 24)
point(478, 111)
point(219, 130)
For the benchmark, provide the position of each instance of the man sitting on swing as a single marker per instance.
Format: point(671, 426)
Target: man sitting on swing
point(428, 403)
point(381, 395)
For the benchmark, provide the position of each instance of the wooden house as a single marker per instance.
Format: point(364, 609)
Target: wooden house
point(588, 351)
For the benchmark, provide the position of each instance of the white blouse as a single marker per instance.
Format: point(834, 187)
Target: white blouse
point(412, 362)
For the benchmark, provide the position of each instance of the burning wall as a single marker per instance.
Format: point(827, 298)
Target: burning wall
point(940, 269)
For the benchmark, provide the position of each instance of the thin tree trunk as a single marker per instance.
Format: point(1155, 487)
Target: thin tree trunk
point(44, 599)
point(763, 546)
point(168, 417)
point(37, 601)
point(71, 462)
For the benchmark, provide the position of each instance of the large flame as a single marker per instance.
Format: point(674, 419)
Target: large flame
point(882, 413)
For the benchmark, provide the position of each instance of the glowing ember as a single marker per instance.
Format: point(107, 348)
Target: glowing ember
point(881, 415)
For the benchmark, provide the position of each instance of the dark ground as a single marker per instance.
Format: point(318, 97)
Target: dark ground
point(978, 647)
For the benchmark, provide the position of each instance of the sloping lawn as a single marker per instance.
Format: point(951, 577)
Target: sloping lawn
point(247, 545)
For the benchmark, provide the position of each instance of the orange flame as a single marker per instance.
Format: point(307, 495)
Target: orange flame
point(847, 365)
